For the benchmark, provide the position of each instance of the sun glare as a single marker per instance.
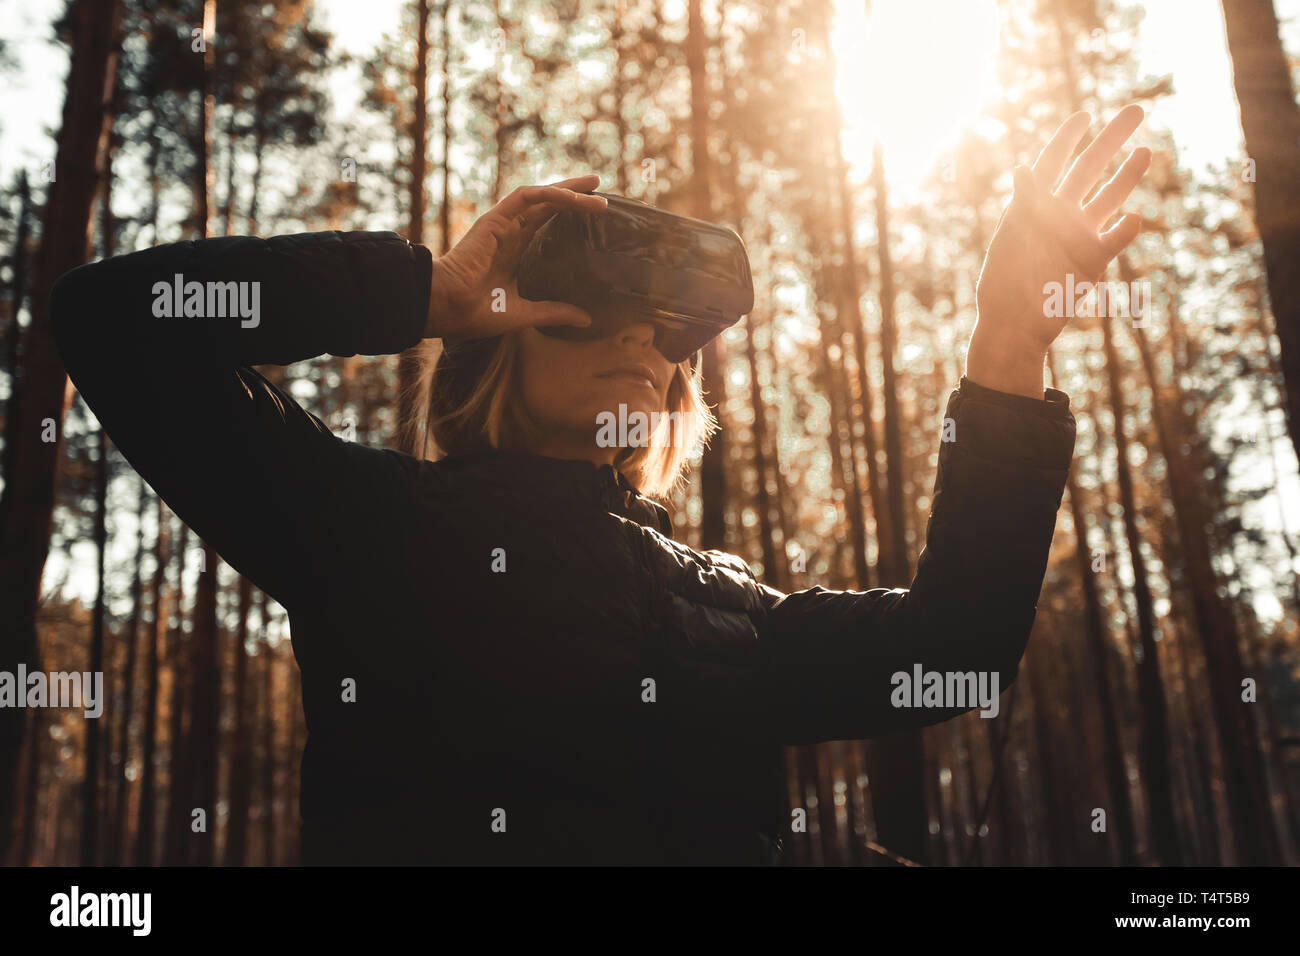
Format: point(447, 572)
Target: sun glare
point(913, 75)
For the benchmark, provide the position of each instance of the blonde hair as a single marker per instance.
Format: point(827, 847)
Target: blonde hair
point(468, 398)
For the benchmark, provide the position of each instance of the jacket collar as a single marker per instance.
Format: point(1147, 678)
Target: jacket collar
point(570, 479)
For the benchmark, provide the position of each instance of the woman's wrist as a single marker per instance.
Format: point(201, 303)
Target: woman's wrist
point(1004, 364)
point(438, 303)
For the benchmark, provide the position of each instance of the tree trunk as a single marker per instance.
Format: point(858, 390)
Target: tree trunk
point(1094, 630)
point(205, 707)
point(902, 565)
point(618, 84)
point(121, 786)
point(95, 735)
point(713, 470)
point(853, 274)
point(845, 296)
point(444, 211)
point(1270, 120)
point(828, 328)
point(897, 762)
point(1245, 781)
point(176, 830)
point(145, 817)
point(205, 676)
point(408, 362)
point(1058, 833)
point(90, 805)
point(266, 660)
point(965, 782)
point(772, 569)
point(13, 333)
point(297, 741)
point(241, 762)
point(259, 148)
point(500, 138)
point(228, 201)
point(28, 499)
point(1153, 724)
point(24, 821)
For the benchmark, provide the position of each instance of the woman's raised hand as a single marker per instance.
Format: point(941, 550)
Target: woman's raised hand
point(479, 271)
point(1046, 233)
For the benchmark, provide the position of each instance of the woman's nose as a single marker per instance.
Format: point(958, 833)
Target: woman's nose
point(641, 333)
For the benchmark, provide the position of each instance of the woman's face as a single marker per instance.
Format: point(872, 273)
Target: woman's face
point(569, 386)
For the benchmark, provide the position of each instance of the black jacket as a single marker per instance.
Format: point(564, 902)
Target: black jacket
point(612, 695)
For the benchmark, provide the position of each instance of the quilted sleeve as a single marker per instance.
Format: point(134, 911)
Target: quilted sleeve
point(854, 664)
point(159, 342)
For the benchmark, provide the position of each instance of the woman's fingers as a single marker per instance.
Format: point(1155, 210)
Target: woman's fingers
point(533, 220)
point(1051, 161)
point(1088, 166)
point(1111, 196)
point(1114, 239)
point(580, 184)
point(563, 195)
point(528, 208)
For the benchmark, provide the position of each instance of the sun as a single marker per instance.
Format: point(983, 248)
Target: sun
point(912, 73)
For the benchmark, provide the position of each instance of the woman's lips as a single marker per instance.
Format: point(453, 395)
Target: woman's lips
point(635, 374)
point(631, 377)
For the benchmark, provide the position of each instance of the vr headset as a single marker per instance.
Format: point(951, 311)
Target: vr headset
point(632, 262)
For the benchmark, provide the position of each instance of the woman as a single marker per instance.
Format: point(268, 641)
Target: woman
point(505, 656)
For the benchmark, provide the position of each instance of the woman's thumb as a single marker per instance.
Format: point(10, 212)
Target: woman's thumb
point(559, 313)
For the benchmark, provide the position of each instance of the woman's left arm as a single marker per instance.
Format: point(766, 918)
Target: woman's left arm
point(831, 657)
point(847, 664)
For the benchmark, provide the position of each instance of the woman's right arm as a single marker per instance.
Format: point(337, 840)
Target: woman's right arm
point(253, 474)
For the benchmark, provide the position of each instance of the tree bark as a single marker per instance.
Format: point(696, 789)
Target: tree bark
point(266, 660)
point(408, 362)
point(444, 211)
point(175, 847)
point(1094, 630)
point(13, 333)
point(28, 500)
point(156, 634)
point(1270, 121)
point(1060, 828)
point(897, 530)
point(90, 788)
point(205, 674)
point(121, 787)
point(1153, 723)
point(241, 762)
point(618, 86)
point(1245, 781)
point(713, 470)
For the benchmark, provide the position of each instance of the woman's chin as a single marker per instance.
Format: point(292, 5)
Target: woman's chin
point(626, 419)
point(641, 399)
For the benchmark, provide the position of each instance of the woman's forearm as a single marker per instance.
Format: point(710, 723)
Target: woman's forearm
point(245, 300)
point(833, 656)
